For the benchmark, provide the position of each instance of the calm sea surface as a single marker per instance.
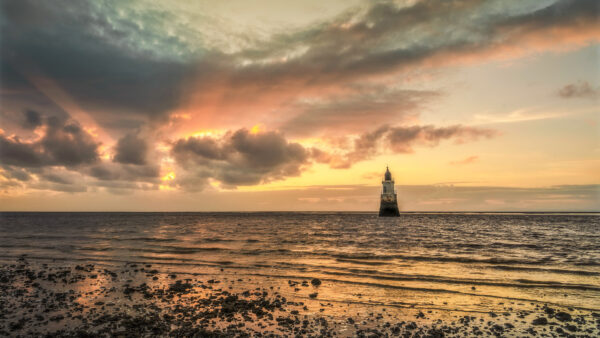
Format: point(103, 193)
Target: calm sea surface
point(448, 261)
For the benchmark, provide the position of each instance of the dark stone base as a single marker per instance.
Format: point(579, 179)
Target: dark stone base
point(389, 209)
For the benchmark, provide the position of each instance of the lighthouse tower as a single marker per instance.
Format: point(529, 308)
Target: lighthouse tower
point(389, 203)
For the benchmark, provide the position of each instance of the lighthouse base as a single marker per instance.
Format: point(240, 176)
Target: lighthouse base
point(389, 209)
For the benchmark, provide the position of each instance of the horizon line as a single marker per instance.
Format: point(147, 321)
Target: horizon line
point(314, 211)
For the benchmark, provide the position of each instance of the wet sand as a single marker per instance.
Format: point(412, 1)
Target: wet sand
point(40, 298)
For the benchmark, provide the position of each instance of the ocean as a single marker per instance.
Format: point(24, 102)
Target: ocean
point(442, 266)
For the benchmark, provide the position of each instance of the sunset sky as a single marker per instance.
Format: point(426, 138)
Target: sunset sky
point(299, 105)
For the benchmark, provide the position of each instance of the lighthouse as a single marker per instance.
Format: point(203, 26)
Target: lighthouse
point(389, 202)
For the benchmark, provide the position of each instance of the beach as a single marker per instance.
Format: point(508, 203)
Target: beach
point(307, 274)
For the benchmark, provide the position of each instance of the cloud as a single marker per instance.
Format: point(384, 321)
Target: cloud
point(124, 172)
point(14, 152)
point(519, 115)
point(114, 177)
point(365, 147)
point(62, 154)
point(387, 37)
point(52, 178)
point(88, 59)
point(32, 119)
point(131, 149)
point(241, 158)
point(64, 143)
point(350, 112)
point(69, 188)
point(57, 178)
point(466, 160)
point(402, 140)
point(298, 79)
point(579, 90)
point(15, 173)
point(128, 64)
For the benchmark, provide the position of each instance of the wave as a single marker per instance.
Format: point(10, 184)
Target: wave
point(94, 248)
point(215, 240)
point(516, 245)
point(356, 261)
point(418, 289)
point(256, 252)
point(588, 263)
point(367, 259)
point(544, 270)
point(146, 239)
point(519, 283)
point(16, 246)
point(177, 250)
point(443, 259)
point(133, 260)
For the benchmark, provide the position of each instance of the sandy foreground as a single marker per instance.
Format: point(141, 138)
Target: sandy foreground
point(131, 300)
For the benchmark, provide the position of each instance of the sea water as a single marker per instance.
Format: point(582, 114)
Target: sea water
point(450, 262)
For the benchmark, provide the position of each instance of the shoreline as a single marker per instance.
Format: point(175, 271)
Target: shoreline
point(59, 299)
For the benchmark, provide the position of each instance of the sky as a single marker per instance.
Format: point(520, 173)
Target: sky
point(299, 105)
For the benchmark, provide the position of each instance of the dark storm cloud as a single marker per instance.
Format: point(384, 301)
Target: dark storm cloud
point(78, 45)
point(241, 158)
point(64, 144)
point(32, 119)
point(579, 90)
point(131, 149)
